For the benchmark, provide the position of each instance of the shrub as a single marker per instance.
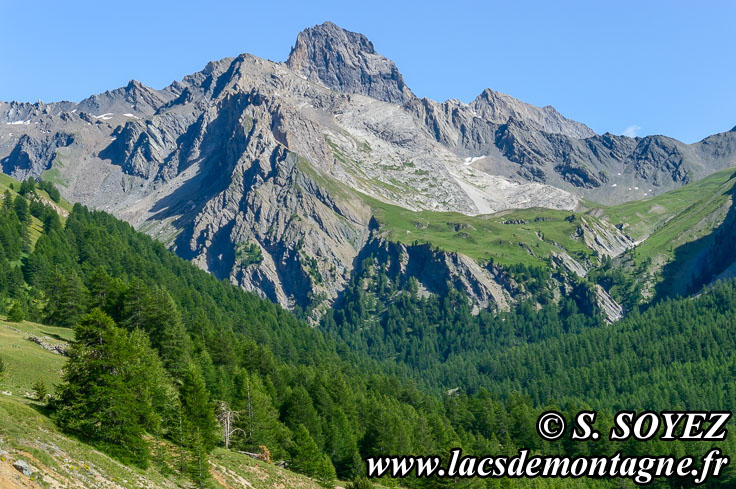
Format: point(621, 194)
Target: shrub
point(16, 313)
point(39, 390)
point(359, 483)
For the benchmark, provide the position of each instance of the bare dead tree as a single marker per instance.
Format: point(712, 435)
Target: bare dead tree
point(227, 418)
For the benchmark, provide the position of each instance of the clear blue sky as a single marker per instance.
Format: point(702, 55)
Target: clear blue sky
point(652, 68)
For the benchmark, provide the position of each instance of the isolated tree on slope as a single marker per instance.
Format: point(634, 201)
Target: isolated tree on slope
point(111, 387)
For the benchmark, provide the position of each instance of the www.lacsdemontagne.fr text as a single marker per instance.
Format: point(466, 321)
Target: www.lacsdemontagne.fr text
point(551, 425)
point(640, 469)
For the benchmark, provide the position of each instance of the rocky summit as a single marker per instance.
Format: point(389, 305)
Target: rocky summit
point(347, 62)
point(264, 173)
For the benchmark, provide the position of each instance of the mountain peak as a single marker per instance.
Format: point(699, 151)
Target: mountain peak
point(498, 107)
point(333, 32)
point(347, 62)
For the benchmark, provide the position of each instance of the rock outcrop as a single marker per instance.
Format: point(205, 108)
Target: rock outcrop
point(23, 467)
point(53, 347)
point(347, 62)
point(612, 310)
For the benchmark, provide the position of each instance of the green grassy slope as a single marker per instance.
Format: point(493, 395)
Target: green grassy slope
point(659, 224)
point(60, 461)
point(27, 433)
point(642, 217)
point(25, 361)
point(675, 232)
point(525, 236)
point(664, 222)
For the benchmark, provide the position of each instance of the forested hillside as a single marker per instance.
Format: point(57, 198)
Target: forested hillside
point(161, 347)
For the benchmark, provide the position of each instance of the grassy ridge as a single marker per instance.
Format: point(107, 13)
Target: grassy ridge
point(646, 215)
point(526, 236)
point(529, 236)
point(483, 237)
point(673, 218)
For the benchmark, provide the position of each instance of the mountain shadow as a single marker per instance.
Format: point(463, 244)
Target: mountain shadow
point(699, 262)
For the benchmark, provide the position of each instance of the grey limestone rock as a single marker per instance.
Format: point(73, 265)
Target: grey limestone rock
point(23, 467)
point(347, 61)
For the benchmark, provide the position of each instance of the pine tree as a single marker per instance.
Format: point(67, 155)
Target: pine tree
point(197, 424)
point(342, 443)
point(108, 390)
point(134, 303)
point(20, 205)
point(66, 299)
point(299, 410)
point(168, 335)
point(27, 186)
point(307, 458)
point(259, 419)
point(157, 390)
point(7, 202)
point(15, 283)
point(198, 465)
point(198, 410)
point(156, 313)
point(100, 289)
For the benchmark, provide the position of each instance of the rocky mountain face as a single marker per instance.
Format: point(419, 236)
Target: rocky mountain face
point(263, 173)
point(603, 168)
point(347, 62)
